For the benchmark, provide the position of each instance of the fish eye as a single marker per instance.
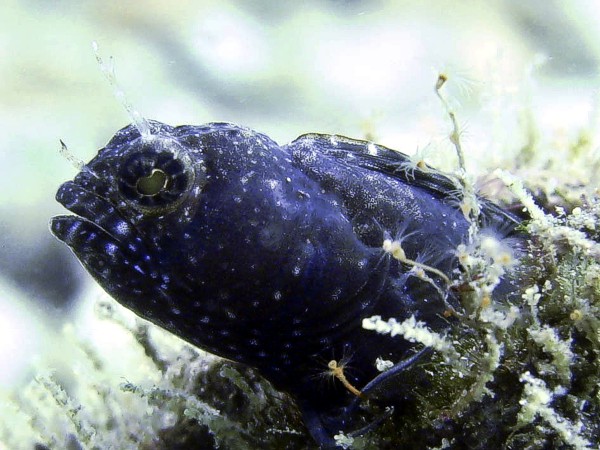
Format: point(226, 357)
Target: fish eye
point(153, 183)
point(153, 180)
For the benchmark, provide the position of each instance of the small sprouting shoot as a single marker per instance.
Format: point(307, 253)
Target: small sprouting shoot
point(394, 248)
point(420, 270)
point(489, 252)
point(77, 163)
point(455, 134)
point(337, 370)
point(108, 70)
point(469, 204)
point(416, 162)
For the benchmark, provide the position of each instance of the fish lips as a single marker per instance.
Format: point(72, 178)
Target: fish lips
point(107, 245)
point(94, 214)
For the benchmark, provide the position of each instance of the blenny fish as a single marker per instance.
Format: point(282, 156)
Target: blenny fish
point(273, 255)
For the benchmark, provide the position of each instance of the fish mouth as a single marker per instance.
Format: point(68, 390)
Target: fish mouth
point(107, 245)
point(95, 215)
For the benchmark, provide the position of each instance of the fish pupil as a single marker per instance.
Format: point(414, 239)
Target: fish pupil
point(154, 183)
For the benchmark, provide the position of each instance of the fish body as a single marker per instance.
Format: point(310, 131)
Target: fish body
point(268, 255)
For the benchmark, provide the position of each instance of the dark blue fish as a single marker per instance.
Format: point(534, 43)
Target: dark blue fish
point(271, 255)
